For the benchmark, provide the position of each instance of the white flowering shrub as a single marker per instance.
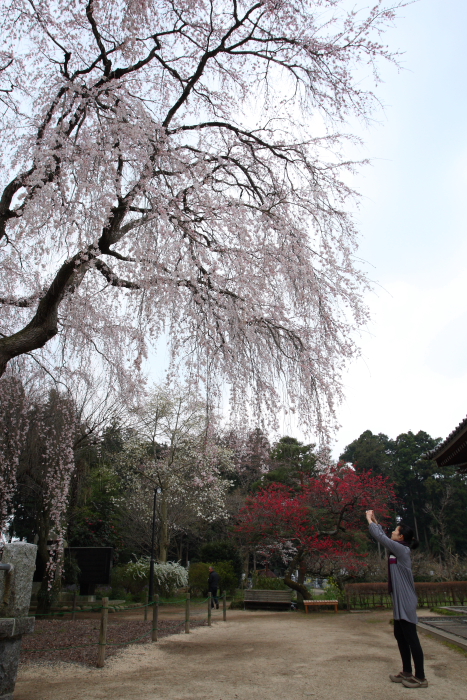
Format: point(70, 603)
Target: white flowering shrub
point(167, 577)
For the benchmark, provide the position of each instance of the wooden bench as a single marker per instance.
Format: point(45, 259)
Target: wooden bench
point(308, 603)
point(257, 596)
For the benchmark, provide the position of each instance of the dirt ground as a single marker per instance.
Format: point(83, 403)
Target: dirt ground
point(64, 639)
point(257, 656)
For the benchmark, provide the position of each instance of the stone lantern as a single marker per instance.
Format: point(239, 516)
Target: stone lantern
point(16, 572)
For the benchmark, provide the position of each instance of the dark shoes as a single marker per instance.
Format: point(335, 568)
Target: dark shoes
point(217, 606)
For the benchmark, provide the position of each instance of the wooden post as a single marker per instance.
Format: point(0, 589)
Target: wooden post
point(146, 600)
point(103, 633)
point(187, 614)
point(224, 606)
point(209, 609)
point(73, 614)
point(155, 618)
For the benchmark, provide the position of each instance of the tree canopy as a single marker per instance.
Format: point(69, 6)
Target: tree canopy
point(173, 167)
point(291, 462)
point(369, 453)
point(318, 527)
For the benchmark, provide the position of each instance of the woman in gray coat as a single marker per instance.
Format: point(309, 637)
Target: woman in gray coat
point(404, 600)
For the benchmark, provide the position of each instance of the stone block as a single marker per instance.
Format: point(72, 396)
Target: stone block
point(9, 659)
point(13, 626)
point(7, 626)
point(24, 625)
point(23, 557)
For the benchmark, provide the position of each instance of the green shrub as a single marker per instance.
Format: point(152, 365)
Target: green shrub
point(237, 602)
point(198, 578)
point(124, 582)
point(222, 550)
point(265, 583)
point(118, 593)
point(229, 578)
point(333, 591)
point(199, 574)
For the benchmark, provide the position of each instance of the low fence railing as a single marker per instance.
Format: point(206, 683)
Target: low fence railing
point(430, 594)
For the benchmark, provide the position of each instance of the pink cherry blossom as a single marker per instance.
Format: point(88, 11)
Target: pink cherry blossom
point(174, 168)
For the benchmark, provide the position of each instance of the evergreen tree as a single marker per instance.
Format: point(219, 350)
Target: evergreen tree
point(370, 452)
point(291, 462)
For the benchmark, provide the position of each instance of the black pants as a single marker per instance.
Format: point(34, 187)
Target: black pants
point(214, 598)
point(410, 648)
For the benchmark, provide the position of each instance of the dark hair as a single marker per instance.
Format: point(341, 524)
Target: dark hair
point(408, 535)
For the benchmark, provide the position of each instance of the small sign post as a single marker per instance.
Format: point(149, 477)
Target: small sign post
point(103, 633)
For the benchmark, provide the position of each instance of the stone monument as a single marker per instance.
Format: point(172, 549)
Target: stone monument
point(16, 571)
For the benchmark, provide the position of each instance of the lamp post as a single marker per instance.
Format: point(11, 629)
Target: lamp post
point(157, 490)
point(153, 543)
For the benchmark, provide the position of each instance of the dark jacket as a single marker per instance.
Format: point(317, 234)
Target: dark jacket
point(214, 579)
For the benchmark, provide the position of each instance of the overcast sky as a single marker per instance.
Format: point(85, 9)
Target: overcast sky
point(413, 371)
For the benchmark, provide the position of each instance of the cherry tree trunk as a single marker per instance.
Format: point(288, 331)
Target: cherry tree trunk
point(298, 586)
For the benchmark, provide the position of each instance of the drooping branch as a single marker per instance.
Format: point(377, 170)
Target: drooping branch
point(103, 55)
point(20, 303)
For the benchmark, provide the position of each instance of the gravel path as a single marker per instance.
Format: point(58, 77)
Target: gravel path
point(259, 655)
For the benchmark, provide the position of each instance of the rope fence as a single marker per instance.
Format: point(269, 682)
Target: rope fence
point(188, 613)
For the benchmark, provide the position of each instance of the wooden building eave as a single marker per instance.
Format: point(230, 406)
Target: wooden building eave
point(452, 452)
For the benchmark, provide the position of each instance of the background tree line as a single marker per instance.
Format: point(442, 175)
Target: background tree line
point(433, 499)
point(102, 493)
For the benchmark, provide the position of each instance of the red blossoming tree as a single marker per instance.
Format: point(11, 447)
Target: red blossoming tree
point(317, 528)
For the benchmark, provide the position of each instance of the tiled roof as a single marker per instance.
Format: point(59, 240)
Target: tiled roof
point(433, 454)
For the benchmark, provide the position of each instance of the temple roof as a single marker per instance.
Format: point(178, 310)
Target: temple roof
point(452, 451)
